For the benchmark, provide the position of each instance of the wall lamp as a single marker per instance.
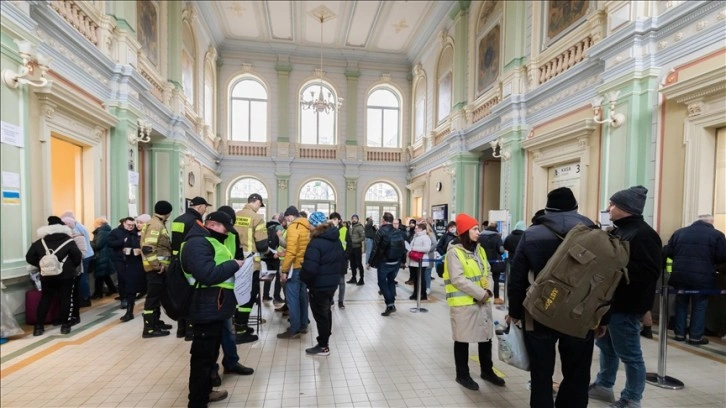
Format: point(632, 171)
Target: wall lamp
point(497, 151)
point(33, 70)
point(614, 119)
point(144, 133)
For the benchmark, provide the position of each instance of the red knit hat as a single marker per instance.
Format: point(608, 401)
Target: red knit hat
point(464, 223)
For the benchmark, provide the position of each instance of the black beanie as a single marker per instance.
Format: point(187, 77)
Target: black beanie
point(631, 200)
point(228, 210)
point(54, 220)
point(561, 199)
point(162, 207)
point(292, 210)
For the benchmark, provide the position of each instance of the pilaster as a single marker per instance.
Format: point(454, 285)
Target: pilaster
point(166, 173)
point(512, 174)
point(461, 30)
point(283, 108)
point(283, 191)
point(174, 36)
point(465, 171)
point(351, 195)
point(118, 159)
point(351, 108)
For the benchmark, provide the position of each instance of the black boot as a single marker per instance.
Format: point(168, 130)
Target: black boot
point(181, 328)
point(243, 334)
point(647, 332)
point(129, 312)
point(38, 330)
point(160, 323)
point(486, 365)
point(150, 326)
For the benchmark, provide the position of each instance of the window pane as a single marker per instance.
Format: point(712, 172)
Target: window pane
point(308, 127)
point(258, 122)
point(317, 190)
point(246, 186)
point(383, 98)
point(249, 88)
point(374, 128)
point(327, 128)
point(419, 126)
point(390, 128)
point(240, 121)
point(381, 192)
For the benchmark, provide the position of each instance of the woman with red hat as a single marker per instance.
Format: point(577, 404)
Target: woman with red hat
point(467, 278)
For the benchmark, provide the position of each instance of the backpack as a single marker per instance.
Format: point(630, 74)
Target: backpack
point(396, 245)
point(574, 289)
point(273, 241)
point(49, 264)
point(177, 293)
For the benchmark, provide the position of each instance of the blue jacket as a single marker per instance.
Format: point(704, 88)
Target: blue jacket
point(696, 251)
point(210, 303)
point(324, 259)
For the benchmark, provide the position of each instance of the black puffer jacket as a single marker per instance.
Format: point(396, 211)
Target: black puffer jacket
point(324, 258)
point(536, 247)
point(210, 303)
point(55, 236)
point(511, 242)
point(443, 244)
point(696, 251)
point(644, 267)
point(118, 239)
point(492, 243)
point(181, 226)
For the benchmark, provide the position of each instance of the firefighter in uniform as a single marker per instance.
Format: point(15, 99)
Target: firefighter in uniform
point(179, 229)
point(155, 256)
point(253, 238)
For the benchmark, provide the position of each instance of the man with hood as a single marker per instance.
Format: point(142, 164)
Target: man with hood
point(209, 266)
point(491, 241)
point(296, 297)
point(323, 260)
point(156, 252)
point(537, 245)
point(357, 236)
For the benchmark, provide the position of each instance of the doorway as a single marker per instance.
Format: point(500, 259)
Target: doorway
point(66, 174)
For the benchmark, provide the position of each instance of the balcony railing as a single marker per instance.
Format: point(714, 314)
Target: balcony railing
point(246, 149)
point(325, 153)
point(79, 15)
point(384, 155)
point(565, 60)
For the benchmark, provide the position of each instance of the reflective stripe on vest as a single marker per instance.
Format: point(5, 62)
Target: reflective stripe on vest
point(221, 255)
point(472, 271)
point(669, 265)
point(343, 231)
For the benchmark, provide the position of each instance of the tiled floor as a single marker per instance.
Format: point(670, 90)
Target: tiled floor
point(405, 360)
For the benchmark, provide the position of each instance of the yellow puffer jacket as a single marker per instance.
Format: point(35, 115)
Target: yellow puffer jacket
point(298, 237)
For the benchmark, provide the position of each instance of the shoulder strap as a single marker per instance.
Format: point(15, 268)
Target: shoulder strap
point(47, 251)
point(52, 251)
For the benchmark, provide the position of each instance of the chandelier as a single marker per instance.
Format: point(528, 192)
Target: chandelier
point(321, 103)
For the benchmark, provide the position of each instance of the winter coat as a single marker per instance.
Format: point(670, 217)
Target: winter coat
point(298, 237)
point(378, 253)
point(211, 303)
point(492, 243)
point(511, 242)
point(644, 267)
point(129, 265)
point(117, 241)
point(421, 243)
point(357, 234)
point(54, 236)
point(273, 263)
point(696, 252)
point(370, 230)
point(536, 247)
point(324, 258)
point(443, 244)
point(102, 259)
point(181, 226)
point(471, 323)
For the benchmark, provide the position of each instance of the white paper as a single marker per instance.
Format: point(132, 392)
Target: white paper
point(11, 179)
point(133, 178)
point(243, 281)
point(11, 134)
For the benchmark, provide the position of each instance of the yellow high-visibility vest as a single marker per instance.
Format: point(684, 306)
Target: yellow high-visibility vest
point(472, 272)
point(221, 255)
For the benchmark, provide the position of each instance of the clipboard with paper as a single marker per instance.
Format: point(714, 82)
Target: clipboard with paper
point(243, 281)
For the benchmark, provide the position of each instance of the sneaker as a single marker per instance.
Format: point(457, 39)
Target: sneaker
point(468, 383)
point(601, 393)
point(244, 337)
point(318, 351)
point(498, 301)
point(239, 369)
point(647, 332)
point(288, 334)
point(679, 338)
point(360, 283)
point(215, 396)
point(389, 310)
point(216, 379)
point(493, 378)
point(277, 300)
point(352, 281)
point(699, 342)
point(341, 305)
point(623, 403)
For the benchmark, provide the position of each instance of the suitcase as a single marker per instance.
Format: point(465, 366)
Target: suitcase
point(32, 300)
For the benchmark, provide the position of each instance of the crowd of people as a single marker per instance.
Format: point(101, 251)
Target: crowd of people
point(306, 259)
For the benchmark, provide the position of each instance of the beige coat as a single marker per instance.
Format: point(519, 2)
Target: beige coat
point(473, 323)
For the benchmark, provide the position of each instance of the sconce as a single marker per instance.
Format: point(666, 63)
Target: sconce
point(33, 70)
point(614, 119)
point(497, 151)
point(144, 132)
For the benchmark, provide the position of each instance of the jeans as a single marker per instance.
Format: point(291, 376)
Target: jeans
point(699, 304)
point(85, 287)
point(229, 348)
point(296, 297)
point(575, 358)
point(622, 342)
point(341, 289)
point(369, 248)
point(320, 305)
point(204, 353)
point(427, 277)
point(387, 281)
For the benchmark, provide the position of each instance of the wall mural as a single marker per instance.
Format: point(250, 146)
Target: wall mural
point(489, 50)
point(562, 14)
point(148, 30)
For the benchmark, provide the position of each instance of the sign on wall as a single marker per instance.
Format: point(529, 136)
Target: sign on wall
point(565, 175)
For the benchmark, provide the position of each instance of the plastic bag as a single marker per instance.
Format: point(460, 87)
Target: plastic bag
point(8, 325)
point(34, 276)
point(511, 347)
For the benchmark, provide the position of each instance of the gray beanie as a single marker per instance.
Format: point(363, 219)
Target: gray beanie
point(631, 200)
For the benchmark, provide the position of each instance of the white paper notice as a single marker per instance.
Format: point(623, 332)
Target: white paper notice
point(243, 281)
point(11, 179)
point(133, 178)
point(11, 134)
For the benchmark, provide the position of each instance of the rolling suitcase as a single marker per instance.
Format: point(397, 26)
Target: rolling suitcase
point(32, 300)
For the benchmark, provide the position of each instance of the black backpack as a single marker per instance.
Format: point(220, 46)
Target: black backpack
point(396, 245)
point(273, 241)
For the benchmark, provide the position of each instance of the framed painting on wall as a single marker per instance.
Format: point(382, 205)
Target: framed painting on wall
point(488, 61)
point(187, 74)
point(444, 96)
point(148, 30)
point(563, 14)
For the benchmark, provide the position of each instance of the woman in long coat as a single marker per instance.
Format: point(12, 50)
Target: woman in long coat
point(125, 241)
point(466, 273)
point(102, 268)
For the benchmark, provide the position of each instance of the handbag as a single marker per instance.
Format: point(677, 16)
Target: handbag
point(511, 347)
point(416, 256)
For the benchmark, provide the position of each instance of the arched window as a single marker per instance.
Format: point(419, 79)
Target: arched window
point(317, 195)
point(419, 110)
point(383, 119)
point(189, 62)
point(248, 111)
point(242, 188)
point(209, 94)
point(444, 76)
point(381, 197)
point(317, 127)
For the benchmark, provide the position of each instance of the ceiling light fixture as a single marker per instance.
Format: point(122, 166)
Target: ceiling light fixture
point(320, 103)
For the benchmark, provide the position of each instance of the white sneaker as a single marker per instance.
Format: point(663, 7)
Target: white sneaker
point(601, 393)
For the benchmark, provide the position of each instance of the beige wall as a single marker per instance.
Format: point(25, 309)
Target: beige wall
point(671, 202)
point(491, 170)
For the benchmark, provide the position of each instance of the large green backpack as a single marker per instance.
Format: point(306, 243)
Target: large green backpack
point(573, 290)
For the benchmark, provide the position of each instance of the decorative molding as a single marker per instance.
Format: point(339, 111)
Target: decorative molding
point(282, 184)
point(575, 130)
point(79, 16)
point(351, 185)
point(695, 108)
point(565, 60)
point(704, 84)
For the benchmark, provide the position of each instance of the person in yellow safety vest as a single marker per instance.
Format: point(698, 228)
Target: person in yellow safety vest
point(347, 241)
point(209, 266)
point(253, 238)
point(155, 257)
point(467, 282)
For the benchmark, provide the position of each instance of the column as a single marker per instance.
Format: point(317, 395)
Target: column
point(460, 16)
point(350, 105)
point(174, 31)
point(511, 191)
point(118, 158)
point(466, 175)
point(166, 174)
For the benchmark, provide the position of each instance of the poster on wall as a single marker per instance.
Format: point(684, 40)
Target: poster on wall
point(565, 175)
point(439, 213)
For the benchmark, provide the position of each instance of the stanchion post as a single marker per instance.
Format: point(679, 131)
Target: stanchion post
point(506, 281)
point(660, 379)
point(418, 308)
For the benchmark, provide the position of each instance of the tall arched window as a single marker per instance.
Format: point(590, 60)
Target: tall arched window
point(419, 110)
point(209, 94)
point(383, 119)
point(248, 111)
point(444, 80)
point(242, 188)
point(189, 62)
point(381, 197)
point(317, 195)
point(317, 127)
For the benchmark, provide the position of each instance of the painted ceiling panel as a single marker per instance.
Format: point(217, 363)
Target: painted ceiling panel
point(241, 19)
point(361, 23)
point(281, 19)
point(400, 24)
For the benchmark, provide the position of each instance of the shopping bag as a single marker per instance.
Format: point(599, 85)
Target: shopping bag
point(511, 347)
